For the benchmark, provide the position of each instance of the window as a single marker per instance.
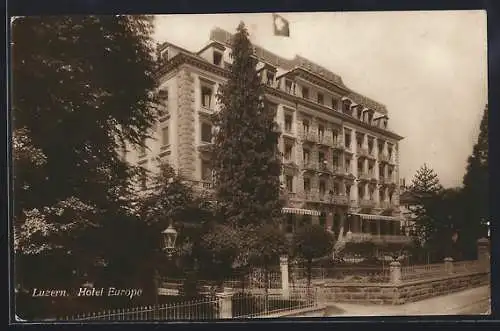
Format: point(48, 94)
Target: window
point(270, 78)
point(307, 185)
point(305, 153)
point(348, 165)
point(206, 97)
point(288, 123)
point(305, 92)
point(347, 107)
point(206, 171)
point(305, 126)
point(348, 190)
point(370, 118)
point(389, 151)
point(289, 223)
point(380, 146)
point(361, 192)
point(370, 146)
point(321, 132)
point(206, 132)
point(347, 140)
point(334, 103)
point(322, 219)
point(382, 195)
point(335, 160)
point(321, 98)
point(390, 173)
point(321, 157)
point(384, 123)
point(217, 58)
point(359, 142)
point(370, 168)
point(371, 193)
point(360, 166)
point(322, 188)
point(391, 193)
point(164, 136)
point(289, 183)
point(360, 113)
point(336, 188)
point(381, 171)
point(335, 136)
point(288, 86)
point(163, 95)
point(288, 152)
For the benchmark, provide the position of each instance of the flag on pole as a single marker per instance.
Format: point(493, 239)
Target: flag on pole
point(281, 26)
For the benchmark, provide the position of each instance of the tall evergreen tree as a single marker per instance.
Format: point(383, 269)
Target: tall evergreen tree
point(425, 188)
point(246, 162)
point(476, 188)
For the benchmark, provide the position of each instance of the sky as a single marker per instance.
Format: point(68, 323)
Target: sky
point(428, 68)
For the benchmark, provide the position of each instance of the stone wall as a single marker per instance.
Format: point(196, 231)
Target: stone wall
point(403, 292)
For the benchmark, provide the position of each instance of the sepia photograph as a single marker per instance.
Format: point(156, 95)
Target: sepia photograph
point(211, 167)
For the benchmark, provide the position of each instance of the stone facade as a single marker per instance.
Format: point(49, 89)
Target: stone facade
point(186, 124)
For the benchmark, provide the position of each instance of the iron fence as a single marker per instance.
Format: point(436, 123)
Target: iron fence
point(375, 274)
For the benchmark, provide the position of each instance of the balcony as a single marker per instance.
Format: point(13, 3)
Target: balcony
point(391, 239)
point(383, 157)
point(325, 140)
point(205, 147)
point(365, 203)
point(364, 176)
point(325, 167)
point(288, 133)
point(342, 200)
point(290, 163)
point(338, 145)
point(387, 205)
point(310, 196)
point(358, 237)
point(309, 136)
point(206, 111)
point(288, 195)
point(310, 166)
point(363, 152)
point(386, 181)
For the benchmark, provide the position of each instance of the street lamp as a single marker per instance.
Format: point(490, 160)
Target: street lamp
point(169, 237)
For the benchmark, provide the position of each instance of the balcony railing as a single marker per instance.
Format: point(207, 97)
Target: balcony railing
point(364, 176)
point(325, 140)
point(325, 167)
point(309, 136)
point(386, 180)
point(310, 165)
point(363, 152)
point(288, 195)
point(340, 200)
point(310, 196)
point(365, 203)
point(391, 239)
point(383, 157)
point(357, 237)
point(387, 205)
point(205, 147)
point(338, 144)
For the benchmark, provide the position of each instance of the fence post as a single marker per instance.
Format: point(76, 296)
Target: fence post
point(284, 277)
point(395, 270)
point(448, 265)
point(224, 301)
point(319, 293)
point(483, 252)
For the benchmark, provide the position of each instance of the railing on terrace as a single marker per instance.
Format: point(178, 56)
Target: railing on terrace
point(260, 306)
point(201, 309)
point(418, 272)
point(376, 274)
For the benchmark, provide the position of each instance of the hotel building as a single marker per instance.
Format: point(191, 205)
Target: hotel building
point(340, 158)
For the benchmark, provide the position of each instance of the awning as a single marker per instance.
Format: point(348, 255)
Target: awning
point(377, 217)
point(300, 211)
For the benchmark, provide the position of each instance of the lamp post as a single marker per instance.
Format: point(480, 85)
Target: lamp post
point(169, 237)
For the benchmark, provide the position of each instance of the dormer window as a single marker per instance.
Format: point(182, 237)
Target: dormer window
point(360, 113)
point(321, 98)
point(270, 78)
point(217, 58)
point(384, 123)
point(334, 103)
point(370, 117)
point(288, 86)
point(305, 126)
point(305, 92)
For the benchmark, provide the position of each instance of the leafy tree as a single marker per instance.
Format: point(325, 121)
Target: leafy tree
point(72, 104)
point(246, 163)
point(310, 242)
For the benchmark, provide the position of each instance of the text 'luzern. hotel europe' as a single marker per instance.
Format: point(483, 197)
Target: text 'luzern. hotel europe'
point(340, 157)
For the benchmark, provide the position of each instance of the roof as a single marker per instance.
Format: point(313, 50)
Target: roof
point(224, 37)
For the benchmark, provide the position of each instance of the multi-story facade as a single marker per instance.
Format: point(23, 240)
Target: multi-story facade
point(340, 157)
